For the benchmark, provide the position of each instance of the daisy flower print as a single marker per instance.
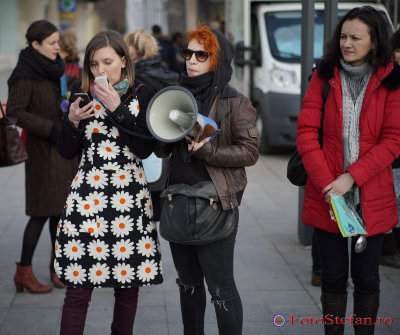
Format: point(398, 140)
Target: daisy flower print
point(140, 177)
point(74, 250)
point(147, 270)
point(146, 246)
point(100, 110)
point(97, 178)
point(122, 201)
point(90, 153)
point(148, 210)
point(99, 273)
point(111, 166)
point(57, 268)
point(150, 227)
point(57, 249)
point(96, 127)
point(74, 273)
point(143, 194)
point(121, 179)
point(86, 208)
point(89, 226)
point(134, 107)
point(121, 226)
point(123, 273)
point(128, 153)
point(69, 229)
point(108, 150)
point(113, 133)
point(98, 249)
point(99, 199)
point(130, 166)
point(122, 250)
point(78, 180)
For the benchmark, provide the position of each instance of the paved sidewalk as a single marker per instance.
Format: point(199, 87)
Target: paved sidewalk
point(272, 270)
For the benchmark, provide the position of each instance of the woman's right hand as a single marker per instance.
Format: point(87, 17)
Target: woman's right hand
point(76, 113)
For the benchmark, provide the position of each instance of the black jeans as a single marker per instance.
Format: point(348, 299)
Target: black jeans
point(214, 262)
point(335, 264)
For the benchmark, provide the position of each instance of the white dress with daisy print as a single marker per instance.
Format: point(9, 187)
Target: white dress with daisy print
point(106, 236)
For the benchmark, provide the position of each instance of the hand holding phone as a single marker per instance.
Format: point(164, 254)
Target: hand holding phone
point(84, 99)
point(80, 110)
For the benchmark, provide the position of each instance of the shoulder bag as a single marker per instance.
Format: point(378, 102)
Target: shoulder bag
point(296, 173)
point(194, 215)
point(12, 149)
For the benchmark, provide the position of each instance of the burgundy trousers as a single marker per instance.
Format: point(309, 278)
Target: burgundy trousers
point(76, 304)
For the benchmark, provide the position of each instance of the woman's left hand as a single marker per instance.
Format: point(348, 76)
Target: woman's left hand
point(194, 146)
point(107, 96)
point(340, 186)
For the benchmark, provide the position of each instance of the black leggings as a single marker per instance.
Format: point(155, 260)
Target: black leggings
point(31, 237)
point(214, 263)
point(335, 263)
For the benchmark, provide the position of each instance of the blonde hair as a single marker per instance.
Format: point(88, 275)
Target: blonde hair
point(67, 44)
point(144, 43)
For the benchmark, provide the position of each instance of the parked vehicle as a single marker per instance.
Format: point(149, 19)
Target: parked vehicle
point(270, 58)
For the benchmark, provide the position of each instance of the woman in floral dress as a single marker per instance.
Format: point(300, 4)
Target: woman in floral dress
point(107, 237)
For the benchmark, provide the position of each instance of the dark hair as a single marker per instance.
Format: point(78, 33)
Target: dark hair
point(395, 40)
point(379, 30)
point(156, 29)
point(101, 40)
point(39, 30)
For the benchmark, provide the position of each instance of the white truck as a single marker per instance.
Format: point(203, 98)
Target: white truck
point(267, 63)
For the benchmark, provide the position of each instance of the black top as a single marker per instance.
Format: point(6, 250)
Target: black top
point(69, 142)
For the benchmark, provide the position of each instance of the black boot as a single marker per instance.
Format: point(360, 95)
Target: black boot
point(333, 306)
point(366, 308)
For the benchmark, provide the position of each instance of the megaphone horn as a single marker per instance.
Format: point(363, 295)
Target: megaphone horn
point(172, 114)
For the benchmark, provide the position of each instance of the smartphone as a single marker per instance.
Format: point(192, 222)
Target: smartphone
point(102, 80)
point(84, 99)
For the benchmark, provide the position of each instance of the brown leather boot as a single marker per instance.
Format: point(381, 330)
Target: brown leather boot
point(24, 277)
point(57, 283)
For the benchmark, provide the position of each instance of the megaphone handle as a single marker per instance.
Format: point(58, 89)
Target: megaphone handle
point(196, 137)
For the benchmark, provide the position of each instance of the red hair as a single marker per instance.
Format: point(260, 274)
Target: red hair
point(204, 36)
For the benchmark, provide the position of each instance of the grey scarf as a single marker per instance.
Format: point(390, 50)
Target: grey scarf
point(354, 83)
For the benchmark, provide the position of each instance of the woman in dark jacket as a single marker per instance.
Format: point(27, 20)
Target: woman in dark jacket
point(361, 132)
point(107, 237)
point(222, 161)
point(34, 93)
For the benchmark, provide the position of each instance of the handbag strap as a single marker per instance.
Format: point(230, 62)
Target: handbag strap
point(325, 94)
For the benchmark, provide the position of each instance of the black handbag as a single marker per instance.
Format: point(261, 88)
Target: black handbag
point(12, 149)
point(194, 215)
point(296, 173)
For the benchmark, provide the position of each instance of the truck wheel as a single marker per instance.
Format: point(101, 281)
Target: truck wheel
point(264, 147)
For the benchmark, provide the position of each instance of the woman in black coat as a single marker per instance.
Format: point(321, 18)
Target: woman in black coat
point(34, 94)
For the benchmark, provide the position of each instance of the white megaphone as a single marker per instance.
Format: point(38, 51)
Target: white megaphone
point(172, 114)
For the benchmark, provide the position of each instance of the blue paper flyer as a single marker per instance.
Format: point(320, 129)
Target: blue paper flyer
point(347, 219)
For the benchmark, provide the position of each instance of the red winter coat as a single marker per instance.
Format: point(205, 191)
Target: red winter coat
point(379, 146)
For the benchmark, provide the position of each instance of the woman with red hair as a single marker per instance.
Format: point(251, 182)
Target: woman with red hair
point(221, 161)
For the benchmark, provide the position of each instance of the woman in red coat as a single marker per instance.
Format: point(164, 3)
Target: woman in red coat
point(361, 138)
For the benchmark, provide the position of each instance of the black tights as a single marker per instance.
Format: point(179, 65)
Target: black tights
point(31, 237)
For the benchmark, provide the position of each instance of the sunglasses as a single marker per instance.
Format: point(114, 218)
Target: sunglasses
point(201, 55)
